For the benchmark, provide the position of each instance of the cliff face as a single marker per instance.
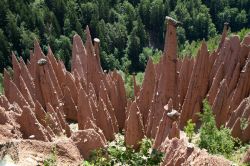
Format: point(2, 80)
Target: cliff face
point(41, 97)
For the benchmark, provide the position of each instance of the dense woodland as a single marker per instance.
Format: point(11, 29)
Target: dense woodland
point(129, 30)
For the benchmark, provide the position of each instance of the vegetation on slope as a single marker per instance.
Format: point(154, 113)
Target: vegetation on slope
point(214, 140)
point(117, 153)
point(191, 48)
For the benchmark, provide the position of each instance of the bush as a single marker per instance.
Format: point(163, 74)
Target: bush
point(117, 153)
point(189, 129)
point(216, 141)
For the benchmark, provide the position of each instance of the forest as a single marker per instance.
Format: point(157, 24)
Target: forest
point(129, 30)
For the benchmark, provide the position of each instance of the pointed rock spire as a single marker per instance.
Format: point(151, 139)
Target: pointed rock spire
point(6, 83)
point(104, 121)
point(69, 108)
point(197, 88)
point(224, 34)
point(16, 70)
point(26, 93)
point(84, 109)
point(104, 95)
point(30, 127)
point(167, 127)
point(134, 130)
point(147, 90)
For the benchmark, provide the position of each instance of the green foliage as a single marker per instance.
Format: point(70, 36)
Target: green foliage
point(157, 15)
point(139, 78)
point(216, 141)
point(136, 41)
point(189, 129)
point(191, 49)
point(243, 123)
point(125, 28)
point(129, 87)
point(129, 84)
point(117, 153)
point(4, 50)
point(238, 154)
point(147, 52)
point(234, 12)
point(196, 19)
point(51, 160)
point(243, 32)
point(63, 47)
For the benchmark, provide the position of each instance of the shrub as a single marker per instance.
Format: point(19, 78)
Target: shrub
point(189, 129)
point(116, 153)
point(216, 141)
point(51, 160)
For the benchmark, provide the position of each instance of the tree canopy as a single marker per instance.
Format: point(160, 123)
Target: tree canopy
point(125, 27)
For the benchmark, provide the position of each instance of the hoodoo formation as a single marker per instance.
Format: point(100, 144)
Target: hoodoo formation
point(42, 97)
